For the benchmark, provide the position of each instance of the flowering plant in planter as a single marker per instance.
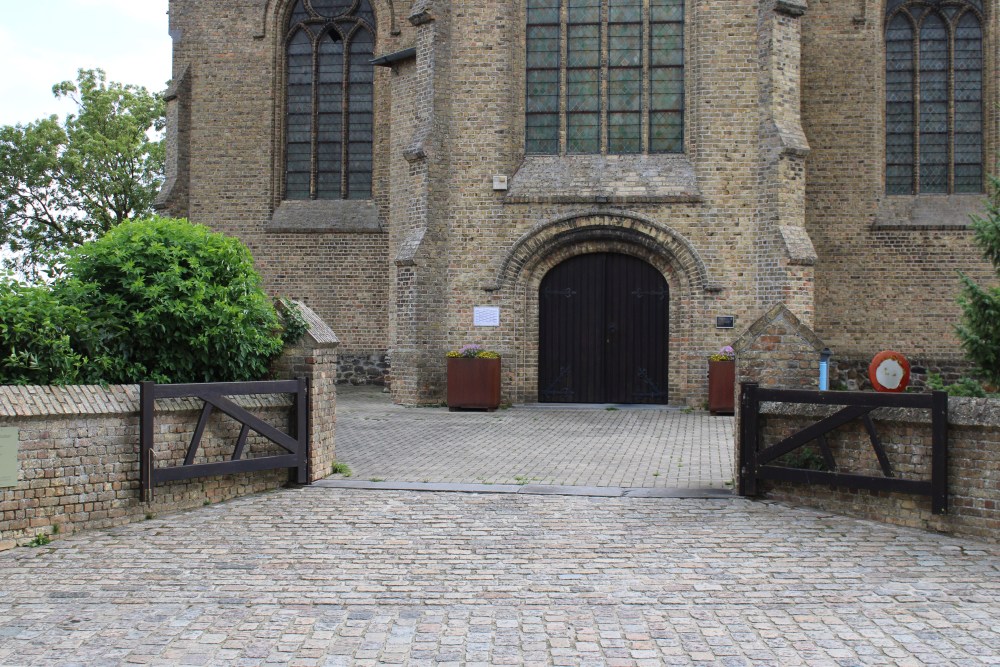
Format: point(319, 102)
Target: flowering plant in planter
point(472, 351)
point(725, 354)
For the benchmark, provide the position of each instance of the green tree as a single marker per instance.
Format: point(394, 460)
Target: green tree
point(62, 184)
point(979, 329)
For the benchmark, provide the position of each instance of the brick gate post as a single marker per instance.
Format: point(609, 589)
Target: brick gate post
point(315, 358)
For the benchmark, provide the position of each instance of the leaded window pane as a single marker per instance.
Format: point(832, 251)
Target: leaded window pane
point(299, 14)
point(542, 90)
point(934, 82)
point(625, 11)
point(329, 113)
point(625, 90)
point(968, 105)
point(543, 11)
point(360, 104)
point(666, 11)
point(667, 44)
point(584, 48)
point(584, 11)
point(329, 119)
point(625, 45)
point(365, 12)
point(543, 47)
point(900, 145)
point(583, 90)
point(542, 134)
point(583, 133)
point(604, 41)
point(298, 152)
point(624, 132)
point(933, 105)
point(666, 132)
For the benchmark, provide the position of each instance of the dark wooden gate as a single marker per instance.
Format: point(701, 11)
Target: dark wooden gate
point(603, 331)
point(760, 460)
point(215, 396)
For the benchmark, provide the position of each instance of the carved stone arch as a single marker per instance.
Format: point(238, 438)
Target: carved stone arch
point(621, 228)
point(275, 12)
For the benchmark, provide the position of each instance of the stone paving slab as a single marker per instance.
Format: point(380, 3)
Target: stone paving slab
point(597, 446)
point(530, 489)
point(323, 577)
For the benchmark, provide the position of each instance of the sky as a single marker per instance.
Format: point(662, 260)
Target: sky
point(43, 42)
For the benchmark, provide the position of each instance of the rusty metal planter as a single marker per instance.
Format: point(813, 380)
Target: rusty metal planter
point(721, 387)
point(473, 383)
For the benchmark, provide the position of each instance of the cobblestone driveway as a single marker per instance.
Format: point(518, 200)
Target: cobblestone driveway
point(320, 576)
point(631, 447)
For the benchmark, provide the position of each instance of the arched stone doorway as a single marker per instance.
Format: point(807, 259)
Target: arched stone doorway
point(603, 331)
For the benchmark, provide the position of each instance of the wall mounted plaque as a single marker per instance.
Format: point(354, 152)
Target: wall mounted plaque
point(486, 316)
point(8, 456)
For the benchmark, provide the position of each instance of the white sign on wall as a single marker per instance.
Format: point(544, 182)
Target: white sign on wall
point(486, 316)
point(8, 457)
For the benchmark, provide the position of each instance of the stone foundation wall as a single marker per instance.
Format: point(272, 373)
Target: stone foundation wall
point(363, 367)
point(973, 474)
point(852, 374)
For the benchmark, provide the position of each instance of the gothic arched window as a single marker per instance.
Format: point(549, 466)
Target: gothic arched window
point(604, 76)
point(329, 47)
point(934, 96)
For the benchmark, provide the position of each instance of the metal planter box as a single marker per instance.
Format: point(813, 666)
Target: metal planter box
point(473, 383)
point(721, 387)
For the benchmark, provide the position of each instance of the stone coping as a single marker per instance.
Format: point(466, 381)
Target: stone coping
point(94, 400)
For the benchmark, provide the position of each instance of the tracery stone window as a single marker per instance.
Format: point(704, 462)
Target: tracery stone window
point(934, 96)
point(604, 76)
point(329, 46)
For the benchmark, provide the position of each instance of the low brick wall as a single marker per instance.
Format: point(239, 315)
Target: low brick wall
point(78, 457)
point(974, 465)
point(78, 449)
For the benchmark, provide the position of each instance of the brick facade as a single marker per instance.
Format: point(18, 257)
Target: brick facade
point(776, 198)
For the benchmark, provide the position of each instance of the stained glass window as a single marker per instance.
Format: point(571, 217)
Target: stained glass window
point(603, 76)
point(934, 101)
point(329, 100)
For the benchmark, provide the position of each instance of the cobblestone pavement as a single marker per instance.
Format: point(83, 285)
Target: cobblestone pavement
point(321, 577)
point(626, 446)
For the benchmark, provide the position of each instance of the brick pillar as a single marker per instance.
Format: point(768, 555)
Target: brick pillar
point(315, 358)
point(418, 234)
point(783, 252)
point(777, 351)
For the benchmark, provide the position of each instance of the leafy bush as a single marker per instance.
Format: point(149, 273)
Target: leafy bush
point(36, 337)
point(171, 301)
point(964, 387)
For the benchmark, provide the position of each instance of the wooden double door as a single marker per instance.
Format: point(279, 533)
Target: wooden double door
point(603, 331)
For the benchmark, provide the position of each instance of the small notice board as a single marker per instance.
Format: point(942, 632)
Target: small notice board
point(486, 316)
point(8, 457)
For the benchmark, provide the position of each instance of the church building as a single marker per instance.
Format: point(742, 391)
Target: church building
point(603, 191)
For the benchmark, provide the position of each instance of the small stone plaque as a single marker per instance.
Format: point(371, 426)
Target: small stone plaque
point(486, 316)
point(8, 457)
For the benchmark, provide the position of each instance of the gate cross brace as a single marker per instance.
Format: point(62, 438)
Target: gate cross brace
point(814, 432)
